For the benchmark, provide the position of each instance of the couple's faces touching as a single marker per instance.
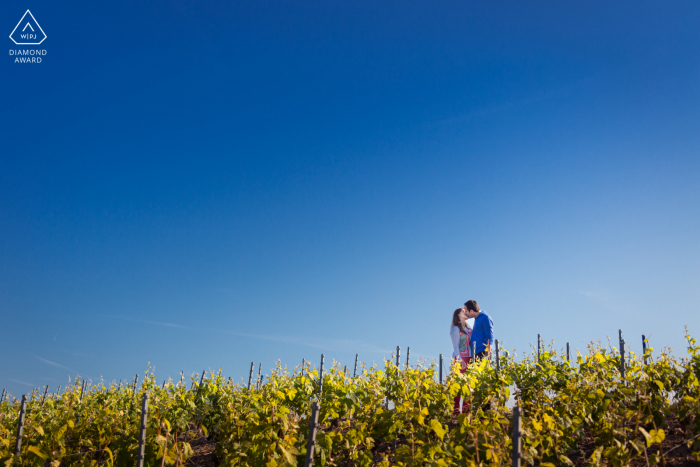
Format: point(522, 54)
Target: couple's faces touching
point(466, 314)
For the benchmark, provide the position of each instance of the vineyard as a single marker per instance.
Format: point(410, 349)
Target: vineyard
point(592, 409)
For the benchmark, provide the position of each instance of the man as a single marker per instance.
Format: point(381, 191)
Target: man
point(482, 335)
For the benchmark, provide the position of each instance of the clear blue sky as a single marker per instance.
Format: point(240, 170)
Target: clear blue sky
point(204, 184)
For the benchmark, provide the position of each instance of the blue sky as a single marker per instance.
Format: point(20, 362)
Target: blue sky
point(205, 184)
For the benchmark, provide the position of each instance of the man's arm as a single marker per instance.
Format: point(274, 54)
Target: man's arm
point(488, 332)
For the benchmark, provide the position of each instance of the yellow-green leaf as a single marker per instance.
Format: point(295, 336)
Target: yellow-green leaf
point(37, 451)
point(437, 428)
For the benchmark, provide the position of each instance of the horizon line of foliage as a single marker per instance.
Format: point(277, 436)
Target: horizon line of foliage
point(403, 411)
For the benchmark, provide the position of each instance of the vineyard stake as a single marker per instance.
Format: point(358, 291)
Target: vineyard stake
point(498, 360)
point(644, 348)
point(354, 373)
point(345, 370)
point(408, 356)
point(260, 380)
point(44, 398)
point(200, 383)
point(622, 358)
point(538, 348)
point(163, 386)
point(398, 355)
point(313, 427)
point(250, 376)
point(142, 436)
point(20, 424)
point(517, 437)
point(619, 334)
point(259, 373)
point(82, 390)
point(58, 391)
point(303, 364)
point(3, 395)
point(440, 368)
point(568, 352)
point(119, 388)
point(182, 377)
point(474, 351)
point(133, 394)
point(320, 375)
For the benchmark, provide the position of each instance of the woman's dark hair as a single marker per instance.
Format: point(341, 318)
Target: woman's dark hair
point(456, 321)
point(472, 306)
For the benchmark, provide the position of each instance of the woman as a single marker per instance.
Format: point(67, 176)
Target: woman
point(461, 335)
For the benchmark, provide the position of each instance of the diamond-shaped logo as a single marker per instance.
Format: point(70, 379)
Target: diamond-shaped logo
point(28, 31)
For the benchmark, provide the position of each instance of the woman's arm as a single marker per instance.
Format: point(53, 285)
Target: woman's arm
point(454, 335)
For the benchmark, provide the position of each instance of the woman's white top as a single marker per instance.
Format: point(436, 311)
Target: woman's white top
point(458, 343)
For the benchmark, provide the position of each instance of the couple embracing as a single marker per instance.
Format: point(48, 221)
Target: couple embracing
point(463, 335)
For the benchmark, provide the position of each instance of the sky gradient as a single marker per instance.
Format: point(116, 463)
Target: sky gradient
point(198, 185)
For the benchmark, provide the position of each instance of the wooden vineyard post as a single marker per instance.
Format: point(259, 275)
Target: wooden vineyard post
point(133, 394)
point(408, 356)
point(200, 383)
point(320, 376)
point(622, 358)
point(313, 427)
point(260, 381)
point(250, 375)
point(20, 424)
point(182, 378)
point(498, 360)
point(354, 372)
point(474, 351)
point(644, 348)
point(568, 352)
point(440, 368)
point(398, 355)
point(259, 373)
point(517, 437)
point(58, 391)
point(82, 390)
point(45, 392)
point(303, 364)
point(2, 398)
point(538, 348)
point(119, 388)
point(142, 435)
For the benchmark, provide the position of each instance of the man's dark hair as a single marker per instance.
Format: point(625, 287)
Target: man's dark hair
point(472, 306)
